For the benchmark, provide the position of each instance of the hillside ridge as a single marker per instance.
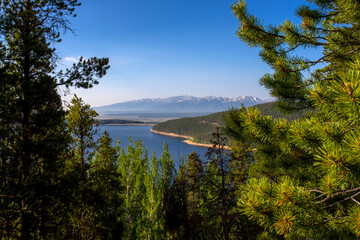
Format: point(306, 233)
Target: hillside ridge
point(200, 128)
point(181, 104)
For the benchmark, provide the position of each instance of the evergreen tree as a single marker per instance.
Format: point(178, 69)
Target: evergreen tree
point(304, 180)
point(194, 176)
point(218, 173)
point(81, 124)
point(153, 225)
point(176, 207)
point(146, 184)
point(105, 182)
point(330, 25)
point(32, 127)
point(133, 165)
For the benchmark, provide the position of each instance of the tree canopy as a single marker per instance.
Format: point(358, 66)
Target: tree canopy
point(304, 180)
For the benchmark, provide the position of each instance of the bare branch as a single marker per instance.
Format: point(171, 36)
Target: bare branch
point(343, 200)
point(315, 190)
point(6, 196)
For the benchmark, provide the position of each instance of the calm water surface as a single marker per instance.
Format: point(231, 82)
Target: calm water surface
point(153, 142)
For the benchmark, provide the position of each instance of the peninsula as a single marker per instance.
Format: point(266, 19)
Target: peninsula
point(189, 140)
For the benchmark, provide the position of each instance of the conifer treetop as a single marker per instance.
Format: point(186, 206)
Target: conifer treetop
point(329, 26)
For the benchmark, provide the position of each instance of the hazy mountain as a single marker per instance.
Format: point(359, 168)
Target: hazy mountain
point(180, 104)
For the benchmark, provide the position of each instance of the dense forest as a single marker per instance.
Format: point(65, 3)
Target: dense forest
point(201, 128)
point(301, 181)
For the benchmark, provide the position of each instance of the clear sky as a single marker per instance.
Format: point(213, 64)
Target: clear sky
point(164, 48)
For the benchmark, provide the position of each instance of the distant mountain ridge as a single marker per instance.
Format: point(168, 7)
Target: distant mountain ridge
point(183, 104)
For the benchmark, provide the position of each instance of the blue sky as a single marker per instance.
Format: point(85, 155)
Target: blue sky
point(163, 48)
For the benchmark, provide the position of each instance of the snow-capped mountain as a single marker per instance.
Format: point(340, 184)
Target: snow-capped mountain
point(181, 104)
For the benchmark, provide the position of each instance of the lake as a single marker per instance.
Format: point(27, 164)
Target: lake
point(153, 142)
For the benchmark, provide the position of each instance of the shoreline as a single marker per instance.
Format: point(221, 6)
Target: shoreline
point(197, 144)
point(171, 134)
point(127, 124)
point(189, 140)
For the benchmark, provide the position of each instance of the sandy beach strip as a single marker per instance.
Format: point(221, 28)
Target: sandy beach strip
point(128, 124)
point(189, 140)
point(197, 144)
point(204, 145)
point(171, 134)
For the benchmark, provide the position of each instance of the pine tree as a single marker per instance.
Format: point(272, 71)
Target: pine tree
point(152, 200)
point(304, 181)
point(32, 128)
point(216, 178)
point(329, 25)
point(146, 184)
point(176, 211)
point(107, 187)
point(194, 176)
point(82, 126)
point(133, 165)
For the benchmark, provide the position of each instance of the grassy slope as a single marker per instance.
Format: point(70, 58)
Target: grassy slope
point(201, 128)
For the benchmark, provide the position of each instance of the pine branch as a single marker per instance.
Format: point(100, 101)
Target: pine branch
point(324, 59)
point(325, 221)
point(342, 193)
point(7, 196)
point(307, 38)
point(353, 198)
point(315, 190)
point(331, 219)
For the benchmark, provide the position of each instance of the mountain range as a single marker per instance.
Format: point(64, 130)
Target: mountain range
point(181, 104)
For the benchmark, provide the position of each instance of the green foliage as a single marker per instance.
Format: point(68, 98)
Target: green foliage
point(95, 202)
point(33, 139)
point(145, 184)
point(81, 124)
point(303, 182)
point(120, 193)
point(204, 195)
point(104, 179)
point(328, 25)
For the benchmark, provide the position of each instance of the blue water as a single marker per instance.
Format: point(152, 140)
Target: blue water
point(153, 142)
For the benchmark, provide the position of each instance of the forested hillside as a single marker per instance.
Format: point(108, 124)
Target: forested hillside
point(201, 128)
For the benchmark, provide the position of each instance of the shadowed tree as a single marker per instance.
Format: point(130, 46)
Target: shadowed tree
point(105, 182)
point(33, 139)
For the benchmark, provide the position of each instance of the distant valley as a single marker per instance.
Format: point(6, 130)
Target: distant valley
point(179, 104)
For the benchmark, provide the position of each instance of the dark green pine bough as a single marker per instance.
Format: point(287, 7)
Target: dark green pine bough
point(304, 182)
